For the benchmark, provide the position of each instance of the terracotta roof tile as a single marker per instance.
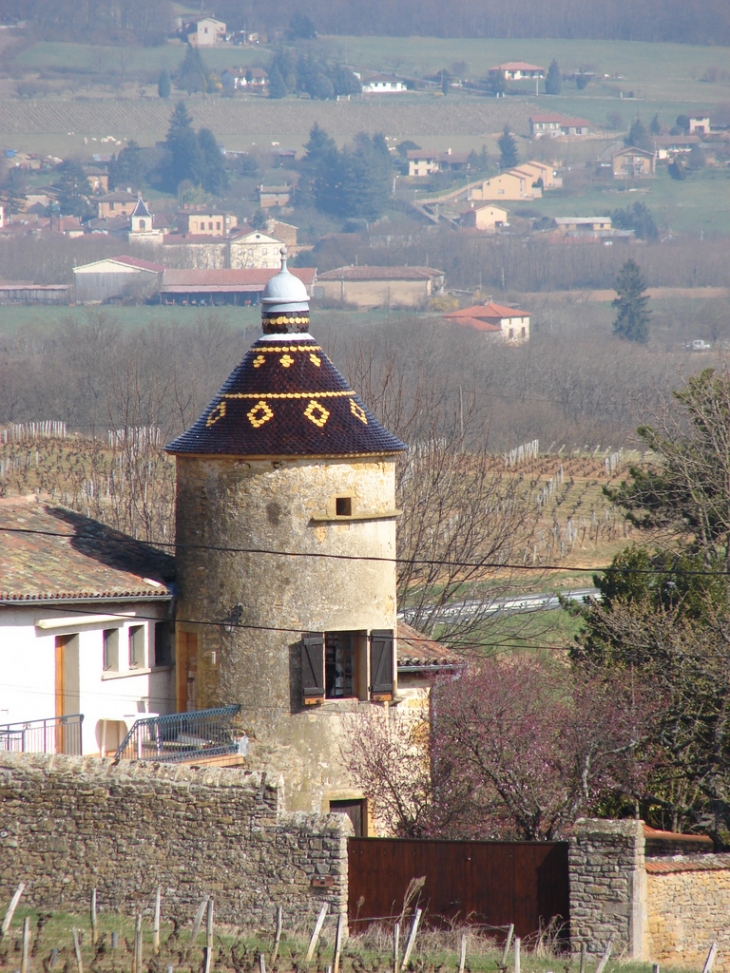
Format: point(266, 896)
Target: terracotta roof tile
point(221, 278)
point(688, 863)
point(417, 651)
point(50, 553)
point(380, 273)
point(286, 398)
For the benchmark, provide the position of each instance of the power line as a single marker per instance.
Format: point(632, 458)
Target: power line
point(426, 562)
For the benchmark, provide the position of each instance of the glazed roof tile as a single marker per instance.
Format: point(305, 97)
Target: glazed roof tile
point(50, 553)
point(286, 398)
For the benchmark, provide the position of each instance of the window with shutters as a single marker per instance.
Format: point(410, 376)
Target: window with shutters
point(347, 665)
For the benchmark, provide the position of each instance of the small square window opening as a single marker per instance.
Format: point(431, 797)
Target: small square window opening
point(343, 506)
point(136, 646)
point(111, 650)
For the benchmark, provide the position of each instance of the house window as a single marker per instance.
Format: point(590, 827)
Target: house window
point(210, 225)
point(163, 644)
point(111, 650)
point(343, 506)
point(218, 225)
point(524, 331)
point(142, 225)
point(341, 665)
point(356, 811)
point(511, 333)
point(111, 205)
point(136, 646)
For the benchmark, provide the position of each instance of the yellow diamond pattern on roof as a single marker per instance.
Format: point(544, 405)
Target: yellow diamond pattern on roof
point(216, 414)
point(286, 360)
point(317, 413)
point(259, 360)
point(315, 360)
point(260, 414)
point(358, 412)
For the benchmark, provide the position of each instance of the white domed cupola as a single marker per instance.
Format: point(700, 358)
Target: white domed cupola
point(285, 303)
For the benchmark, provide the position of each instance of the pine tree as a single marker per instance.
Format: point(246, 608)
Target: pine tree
point(638, 136)
point(508, 156)
point(277, 88)
point(632, 320)
point(193, 75)
point(656, 126)
point(128, 169)
point(214, 178)
point(164, 86)
point(554, 80)
point(185, 156)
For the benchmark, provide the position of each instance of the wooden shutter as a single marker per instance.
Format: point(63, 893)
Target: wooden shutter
point(381, 662)
point(313, 666)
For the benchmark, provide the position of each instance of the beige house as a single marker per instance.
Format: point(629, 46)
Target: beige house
point(270, 196)
point(552, 126)
point(208, 33)
point(699, 124)
point(632, 163)
point(587, 224)
point(541, 170)
point(507, 324)
point(512, 184)
point(424, 163)
point(517, 71)
point(197, 223)
point(484, 217)
point(368, 287)
point(255, 250)
point(115, 204)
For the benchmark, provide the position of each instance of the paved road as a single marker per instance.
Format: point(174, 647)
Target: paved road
point(520, 605)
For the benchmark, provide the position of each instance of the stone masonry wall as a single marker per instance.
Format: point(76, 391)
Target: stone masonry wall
point(688, 899)
point(607, 886)
point(70, 824)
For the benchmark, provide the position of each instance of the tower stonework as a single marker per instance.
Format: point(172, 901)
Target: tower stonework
point(286, 557)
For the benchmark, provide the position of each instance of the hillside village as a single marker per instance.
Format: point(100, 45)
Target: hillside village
point(394, 634)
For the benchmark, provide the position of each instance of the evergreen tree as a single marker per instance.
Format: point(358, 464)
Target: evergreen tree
point(638, 136)
point(192, 75)
point(128, 168)
point(445, 83)
point(74, 189)
point(637, 218)
point(185, 156)
point(164, 86)
point(656, 126)
point(301, 28)
point(508, 156)
point(214, 178)
point(696, 158)
point(277, 88)
point(632, 320)
point(344, 81)
point(553, 80)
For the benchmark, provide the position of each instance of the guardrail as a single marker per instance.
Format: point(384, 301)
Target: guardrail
point(181, 737)
point(59, 734)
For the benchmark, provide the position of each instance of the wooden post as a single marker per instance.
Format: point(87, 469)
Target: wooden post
point(338, 943)
point(411, 938)
point(317, 930)
point(94, 930)
point(137, 967)
point(606, 954)
point(583, 955)
point(508, 943)
point(277, 937)
point(654, 968)
point(208, 959)
point(518, 943)
point(262, 963)
point(77, 950)
point(11, 909)
point(209, 926)
point(156, 923)
point(396, 947)
point(462, 954)
point(26, 946)
point(198, 921)
point(115, 940)
point(709, 962)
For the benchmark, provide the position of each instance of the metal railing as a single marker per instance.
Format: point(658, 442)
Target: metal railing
point(180, 737)
point(59, 734)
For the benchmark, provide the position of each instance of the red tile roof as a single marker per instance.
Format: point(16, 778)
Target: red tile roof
point(688, 863)
point(50, 553)
point(221, 278)
point(140, 264)
point(417, 652)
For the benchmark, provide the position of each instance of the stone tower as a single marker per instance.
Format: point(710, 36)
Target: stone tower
point(285, 555)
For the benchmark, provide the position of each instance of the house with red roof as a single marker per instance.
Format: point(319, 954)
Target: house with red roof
point(517, 71)
point(508, 324)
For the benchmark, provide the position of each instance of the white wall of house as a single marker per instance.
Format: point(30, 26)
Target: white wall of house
point(125, 690)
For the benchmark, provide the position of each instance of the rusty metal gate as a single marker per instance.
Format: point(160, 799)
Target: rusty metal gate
point(491, 883)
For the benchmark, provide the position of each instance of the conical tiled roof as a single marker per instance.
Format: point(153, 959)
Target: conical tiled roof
point(286, 398)
point(141, 208)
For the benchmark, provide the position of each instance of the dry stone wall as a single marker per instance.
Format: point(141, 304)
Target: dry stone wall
point(70, 824)
point(688, 903)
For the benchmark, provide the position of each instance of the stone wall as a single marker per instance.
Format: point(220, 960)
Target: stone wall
point(607, 886)
point(70, 824)
point(688, 903)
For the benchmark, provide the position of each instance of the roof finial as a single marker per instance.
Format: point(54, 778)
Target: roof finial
point(283, 259)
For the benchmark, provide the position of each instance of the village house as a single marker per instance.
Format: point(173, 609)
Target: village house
point(205, 223)
point(508, 185)
point(579, 224)
point(553, 126)
point(224, 286)
point(142, 226)
point(497, 322)
point(208, 32)
point(517, 71)
point(271, 196)
point(254, 249)
point(245, 79)
point(115, 204)
point(86, 631)
point(383, 84)
point(425, 163)
point(98, 179)
point(368, 287)
point(668, 147)
point(542, 172)
point(699, 123)
point(483, 217)
point(630, 163)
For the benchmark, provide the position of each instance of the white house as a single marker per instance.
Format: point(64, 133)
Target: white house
point(507, 324)
point(255, 250)
point(209, 32)
point(85, 629)
point(384, 84)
